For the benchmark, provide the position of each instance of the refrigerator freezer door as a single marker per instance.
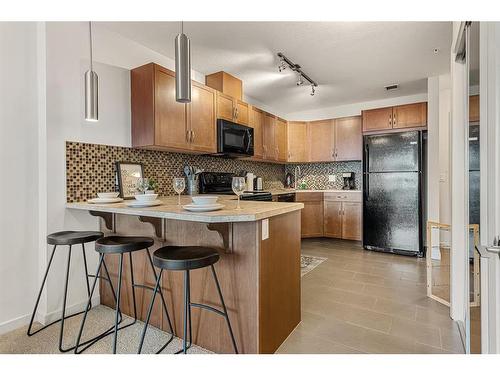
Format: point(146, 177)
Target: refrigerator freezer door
point(394, 152)
point(391, 212)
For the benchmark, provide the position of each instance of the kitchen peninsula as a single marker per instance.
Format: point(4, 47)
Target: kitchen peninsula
point(259, 268)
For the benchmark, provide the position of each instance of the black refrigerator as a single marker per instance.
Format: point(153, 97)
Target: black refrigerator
point(392, 192)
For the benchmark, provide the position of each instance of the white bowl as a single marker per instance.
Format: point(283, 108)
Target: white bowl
point(204, 200)
point(146, 197)
point(108, 195)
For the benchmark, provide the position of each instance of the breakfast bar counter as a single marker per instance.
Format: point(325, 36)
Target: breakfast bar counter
point(258, 270)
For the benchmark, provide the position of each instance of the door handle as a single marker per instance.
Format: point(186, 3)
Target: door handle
point(187, 136)
point(390, 120)
point(192, 136)
point(393, 120)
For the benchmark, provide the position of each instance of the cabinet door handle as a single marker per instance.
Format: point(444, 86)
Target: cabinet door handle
point(390, 120)
point(187, 136)
point(236, 113)
point(393, 120)
point(192, 136)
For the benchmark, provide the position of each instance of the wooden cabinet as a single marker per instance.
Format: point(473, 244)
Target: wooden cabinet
point(333, 219)
point(268, 137)
point(348, 139)
point(298, 150)
point(225, 83)
point(321, 140)
point(160, 122)
point(256, 121)
point(351, 221)
point(377, 119)
point(281, 140)
point(231, 109)
point(312, 214)
point(331, 214)
point(398, 117)
point(201, 119)
point(409, 116)
point(474, 108)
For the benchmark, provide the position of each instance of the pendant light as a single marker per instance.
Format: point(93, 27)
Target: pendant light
point(182, 67)
point(91, 88)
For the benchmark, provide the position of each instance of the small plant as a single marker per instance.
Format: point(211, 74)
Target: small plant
point(152, 184)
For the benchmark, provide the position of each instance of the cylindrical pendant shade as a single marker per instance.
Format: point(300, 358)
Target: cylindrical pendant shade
point(91, 96)
point(182, 69)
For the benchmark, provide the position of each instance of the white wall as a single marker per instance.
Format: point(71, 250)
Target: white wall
point(18, 163)
point(353, 109)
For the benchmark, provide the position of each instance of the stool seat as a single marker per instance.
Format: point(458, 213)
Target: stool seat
point(184, 257)
point(73, 237)
point(122, 244)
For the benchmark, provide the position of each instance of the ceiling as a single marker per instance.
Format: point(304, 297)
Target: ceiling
point(351, 61)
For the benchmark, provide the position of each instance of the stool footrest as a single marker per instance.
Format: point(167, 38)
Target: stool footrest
point(202, 306)
point(142, 286)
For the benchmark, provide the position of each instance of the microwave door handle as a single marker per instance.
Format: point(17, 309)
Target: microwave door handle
point(248, 138)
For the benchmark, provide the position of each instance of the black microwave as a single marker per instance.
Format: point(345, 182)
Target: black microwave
point(234, 140)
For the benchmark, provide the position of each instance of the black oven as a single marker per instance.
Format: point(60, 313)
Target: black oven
point(234, 140)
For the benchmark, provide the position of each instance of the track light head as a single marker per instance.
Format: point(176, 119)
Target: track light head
point(312, 90)
point(300, 81)
point(282, 65)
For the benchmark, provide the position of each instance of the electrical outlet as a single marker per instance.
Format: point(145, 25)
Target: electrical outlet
point(331, 178)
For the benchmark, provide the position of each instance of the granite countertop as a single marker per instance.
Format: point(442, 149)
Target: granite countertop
point(251, 210)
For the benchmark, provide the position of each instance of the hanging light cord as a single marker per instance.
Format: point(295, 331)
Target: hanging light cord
point(182, 27)
point(90, 39)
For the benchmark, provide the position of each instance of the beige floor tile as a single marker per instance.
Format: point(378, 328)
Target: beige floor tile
point(419, 332)
point(304, 343)
point(395, 308)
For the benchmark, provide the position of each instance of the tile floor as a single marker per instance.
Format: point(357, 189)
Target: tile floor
point(360, 301)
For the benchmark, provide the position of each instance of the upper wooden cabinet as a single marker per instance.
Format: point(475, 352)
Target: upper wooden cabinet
point(281, 140)
point(398, 117)
point(409, 116)
point(201, 118)
point(160, 122)
point(231, 109)
point(321, 140)
point(377, 119)
point(474, 108)
point(268, 137)
point(225, 83)
point(298, 150)
point(348, 139)
point(256, 121)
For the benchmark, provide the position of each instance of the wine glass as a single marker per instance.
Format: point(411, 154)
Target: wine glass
point(179, 186)
point(239, 185)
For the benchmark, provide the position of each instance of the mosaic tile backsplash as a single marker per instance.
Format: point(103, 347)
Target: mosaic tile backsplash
point(90, 168)
point(315, 175)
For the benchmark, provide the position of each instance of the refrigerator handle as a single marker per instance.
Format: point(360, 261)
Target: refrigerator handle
point(366, 183)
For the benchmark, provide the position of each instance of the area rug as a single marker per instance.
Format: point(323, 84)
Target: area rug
point(309, 262)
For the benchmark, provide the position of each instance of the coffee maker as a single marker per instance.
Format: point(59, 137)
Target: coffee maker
point(348, 178)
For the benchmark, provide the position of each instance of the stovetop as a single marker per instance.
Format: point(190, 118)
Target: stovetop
point(220, 183)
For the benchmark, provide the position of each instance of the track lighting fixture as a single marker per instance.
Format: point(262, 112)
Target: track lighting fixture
point(301, 76)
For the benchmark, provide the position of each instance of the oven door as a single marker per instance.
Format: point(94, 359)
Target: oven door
point(234, 140)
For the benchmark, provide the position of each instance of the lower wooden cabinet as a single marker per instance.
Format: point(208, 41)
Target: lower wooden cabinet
point(351, 221)
point(312, 214)
point(334, 215)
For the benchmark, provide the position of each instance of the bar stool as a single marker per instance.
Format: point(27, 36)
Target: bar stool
point(121, 245)
point(65, 238)
point(186, 258)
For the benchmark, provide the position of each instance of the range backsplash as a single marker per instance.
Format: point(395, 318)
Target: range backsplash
point(315, 175)
point(90, 168)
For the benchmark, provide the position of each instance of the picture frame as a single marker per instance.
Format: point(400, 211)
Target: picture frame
point(128, 174)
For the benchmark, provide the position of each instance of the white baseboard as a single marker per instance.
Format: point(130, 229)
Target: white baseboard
point(80, 306)
point(24, 320)
point(15, 323)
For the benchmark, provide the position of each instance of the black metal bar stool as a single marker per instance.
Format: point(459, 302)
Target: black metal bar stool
point(65, 238)
point(121, 245)
point(186, 258)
